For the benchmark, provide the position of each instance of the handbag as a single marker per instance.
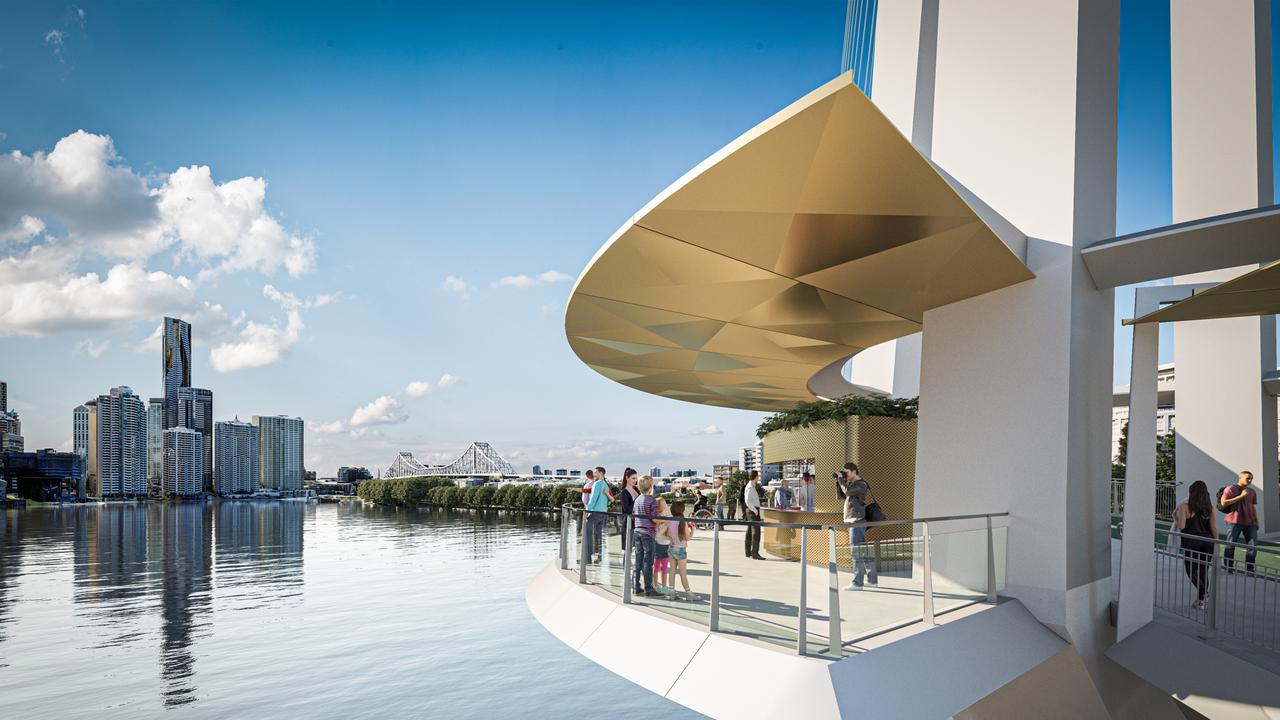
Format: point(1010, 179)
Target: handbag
point(873, 511)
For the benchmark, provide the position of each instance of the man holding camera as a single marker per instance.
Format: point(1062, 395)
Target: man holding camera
point(853, 489)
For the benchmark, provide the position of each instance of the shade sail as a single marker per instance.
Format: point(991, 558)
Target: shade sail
point(817, 234)
point(1255, 293)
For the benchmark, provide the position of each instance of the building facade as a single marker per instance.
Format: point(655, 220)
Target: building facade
point(43, 475)
point(236, 469)
point(118, 444)
point(11, 432)
point(195, 411)
point(155, 442)
point(280, 451)
point(1166, 409)
point(176, 365)
point(183, 462)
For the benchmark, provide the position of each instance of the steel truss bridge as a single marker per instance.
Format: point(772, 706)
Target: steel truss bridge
point(480, 460)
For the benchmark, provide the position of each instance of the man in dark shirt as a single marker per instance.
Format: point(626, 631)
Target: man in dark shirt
point(1241, 502)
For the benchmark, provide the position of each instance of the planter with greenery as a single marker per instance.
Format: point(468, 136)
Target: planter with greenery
point(806, 414)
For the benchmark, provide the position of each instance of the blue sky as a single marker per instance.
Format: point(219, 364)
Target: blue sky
point(387, 148)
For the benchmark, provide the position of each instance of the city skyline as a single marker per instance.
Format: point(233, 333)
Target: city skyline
point(441, 317)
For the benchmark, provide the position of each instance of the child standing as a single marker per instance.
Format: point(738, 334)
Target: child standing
point(679, 533)
point(660, 551)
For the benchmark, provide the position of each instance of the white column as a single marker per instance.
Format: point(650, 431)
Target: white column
point(1016, 384)
point(903, 89)
point(1137, 555)
point(1221, 97)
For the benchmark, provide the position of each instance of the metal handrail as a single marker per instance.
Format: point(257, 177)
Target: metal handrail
point(811, 526)
point(834, 614)
point(1220, 541)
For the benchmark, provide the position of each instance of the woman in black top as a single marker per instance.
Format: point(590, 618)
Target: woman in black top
point(1196, 517)
point(628, 500)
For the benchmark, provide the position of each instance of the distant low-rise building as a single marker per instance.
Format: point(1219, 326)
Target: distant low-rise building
point(44, 475)
point(725, 469)
point(353, 475)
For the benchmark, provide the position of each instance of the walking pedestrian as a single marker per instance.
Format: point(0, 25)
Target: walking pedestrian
point(751, 512)
point(642, 537)
point(1196, 517)
point(853, 489)
point(720, 498)
point(1240, 502)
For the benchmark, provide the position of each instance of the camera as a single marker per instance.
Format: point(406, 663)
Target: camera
point(837, 476)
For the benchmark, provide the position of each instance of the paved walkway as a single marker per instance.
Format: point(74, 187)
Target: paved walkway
point(760, 598)
point(1248, 612)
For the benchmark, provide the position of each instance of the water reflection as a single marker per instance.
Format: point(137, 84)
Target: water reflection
point(254, 609)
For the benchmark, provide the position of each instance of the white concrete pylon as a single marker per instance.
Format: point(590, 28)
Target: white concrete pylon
point(1222, 162)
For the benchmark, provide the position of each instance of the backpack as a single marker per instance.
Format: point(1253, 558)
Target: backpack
point(1221, 491)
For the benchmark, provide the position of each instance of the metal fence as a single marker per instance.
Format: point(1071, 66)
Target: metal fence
point(1219, 590)
point(1166, 498)
point(947, 563)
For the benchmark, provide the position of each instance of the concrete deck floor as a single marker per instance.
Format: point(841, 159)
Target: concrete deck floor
point(1248, 615)
point(759, 598)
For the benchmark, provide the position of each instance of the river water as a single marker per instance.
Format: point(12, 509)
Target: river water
point(286, 609)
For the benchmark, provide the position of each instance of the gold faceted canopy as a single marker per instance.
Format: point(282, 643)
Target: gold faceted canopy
point(1255, 293)
point(817, 234)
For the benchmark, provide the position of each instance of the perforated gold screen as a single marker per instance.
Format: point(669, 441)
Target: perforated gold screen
point(884, 449)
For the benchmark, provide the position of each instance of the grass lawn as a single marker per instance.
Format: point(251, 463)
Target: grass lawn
point(1270, 560)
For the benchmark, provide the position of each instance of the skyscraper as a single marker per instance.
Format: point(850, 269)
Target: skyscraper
point(4, 396)
point(195, 411)
point(280, 451)
point(183, 462)
point(84, 441)
point(237, 468)
point(176, 365)
point(155, 442)
point(80, 437)
point(118, 443)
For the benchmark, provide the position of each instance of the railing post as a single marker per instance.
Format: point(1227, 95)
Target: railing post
point(713, 619)
point(833, 594)
point(802, 609)
point(991, 564)
point(586, 549)
point(1211, 616)
point(928, 576)
point(627, 582)
point(564, 538)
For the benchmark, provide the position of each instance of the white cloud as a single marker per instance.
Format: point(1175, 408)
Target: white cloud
point(92, 349)
point(331, 428)
point(457, 286)
point(708, 430)
point(418, 388)
point(26, 228)
point(384, 410)
point(108, 209)
point(524, 281)
point(50, 301)
point(262, 343)
point(229, 222)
